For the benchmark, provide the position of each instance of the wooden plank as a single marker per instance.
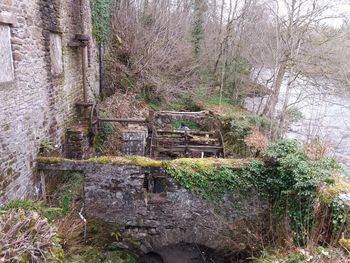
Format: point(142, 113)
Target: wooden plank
point(190, 148)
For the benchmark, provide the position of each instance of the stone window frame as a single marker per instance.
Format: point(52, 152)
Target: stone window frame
point(152, 182)
point(60, 33)
point(10, 20)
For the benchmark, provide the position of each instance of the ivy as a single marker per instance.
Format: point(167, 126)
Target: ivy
point(287, 178)
point(207, 178)
point(198, 30)
point(293, 184)
point(101, 14)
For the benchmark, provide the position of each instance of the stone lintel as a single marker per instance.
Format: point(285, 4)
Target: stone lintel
point(8, 18)
point(61, 165)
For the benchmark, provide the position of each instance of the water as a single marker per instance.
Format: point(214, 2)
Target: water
point(324, 115)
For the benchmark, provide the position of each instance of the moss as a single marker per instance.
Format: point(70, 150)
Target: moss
point(330, 192)
point(345, 243)
point(112, 160)
point(208, 163)
point(144, 162)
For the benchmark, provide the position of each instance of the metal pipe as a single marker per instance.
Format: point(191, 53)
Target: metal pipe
point(101, 67)
point(84, 49)
point(84, 61)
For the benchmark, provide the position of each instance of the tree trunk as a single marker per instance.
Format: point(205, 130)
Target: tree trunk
point(270, 107)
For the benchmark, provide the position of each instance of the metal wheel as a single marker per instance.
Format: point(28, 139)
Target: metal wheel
point(94, 119)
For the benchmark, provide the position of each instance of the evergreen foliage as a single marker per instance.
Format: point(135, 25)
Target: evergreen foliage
point(198, 30)
point(100, 14)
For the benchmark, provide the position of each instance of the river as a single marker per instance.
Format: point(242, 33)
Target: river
point(323, 115)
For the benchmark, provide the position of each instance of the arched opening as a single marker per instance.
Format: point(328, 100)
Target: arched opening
point(184, 253)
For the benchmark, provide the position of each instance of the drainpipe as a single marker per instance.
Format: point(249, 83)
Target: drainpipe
point(84, 61)
point(101, 67)
point(84, 49)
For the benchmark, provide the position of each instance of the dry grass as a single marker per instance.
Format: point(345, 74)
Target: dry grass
point(25, 236)
point(256, 141)
point(317, 149)
point(70, 229)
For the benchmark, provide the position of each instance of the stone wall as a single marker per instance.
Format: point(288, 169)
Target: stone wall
point(118, 194)
point(37, 103)
point(149, 209)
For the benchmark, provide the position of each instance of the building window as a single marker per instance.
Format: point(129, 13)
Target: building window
point(6, 60)
point(56, 54)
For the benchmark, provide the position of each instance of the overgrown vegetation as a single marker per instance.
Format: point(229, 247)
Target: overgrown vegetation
point(101, 11)
point(99, 141)
point(31, 231)
point(239, 124)
point(291, 182)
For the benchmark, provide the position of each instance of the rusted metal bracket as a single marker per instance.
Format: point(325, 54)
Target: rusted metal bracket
point(79, 40)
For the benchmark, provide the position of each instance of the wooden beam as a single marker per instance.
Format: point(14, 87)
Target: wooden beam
point(196, 148)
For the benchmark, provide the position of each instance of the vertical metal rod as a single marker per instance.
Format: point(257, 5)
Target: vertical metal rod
point(84, 49)
point(101, 67)
point(43, 186)
point(84, 60)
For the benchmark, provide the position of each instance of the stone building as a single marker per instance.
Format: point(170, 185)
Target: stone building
point(41, 65)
